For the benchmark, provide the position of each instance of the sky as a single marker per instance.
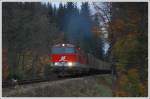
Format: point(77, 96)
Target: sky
point(78, 5)
point(57, 3)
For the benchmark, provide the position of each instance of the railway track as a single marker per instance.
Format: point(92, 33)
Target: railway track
point(12, 83)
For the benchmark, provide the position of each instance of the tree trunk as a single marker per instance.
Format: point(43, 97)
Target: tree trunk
point(35, 57)
point(23, 65)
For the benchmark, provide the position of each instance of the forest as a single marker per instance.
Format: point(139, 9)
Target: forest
point(29, 30)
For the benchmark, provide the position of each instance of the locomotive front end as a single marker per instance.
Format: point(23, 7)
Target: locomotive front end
point(64, 58)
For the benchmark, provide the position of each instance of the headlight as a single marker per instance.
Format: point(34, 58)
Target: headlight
point(70, 63)
point(55, 63)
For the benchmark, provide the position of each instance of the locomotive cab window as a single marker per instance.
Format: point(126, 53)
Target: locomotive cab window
point(59, 50)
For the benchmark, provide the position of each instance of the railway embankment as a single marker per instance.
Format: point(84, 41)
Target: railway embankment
point(91, 86)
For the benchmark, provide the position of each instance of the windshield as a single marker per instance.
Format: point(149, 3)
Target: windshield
point(58, 50)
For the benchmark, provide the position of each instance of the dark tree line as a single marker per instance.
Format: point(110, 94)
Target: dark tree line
point(36, 22)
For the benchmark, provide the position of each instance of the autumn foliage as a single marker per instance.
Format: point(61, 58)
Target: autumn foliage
point(129, 48)
point(5, 63)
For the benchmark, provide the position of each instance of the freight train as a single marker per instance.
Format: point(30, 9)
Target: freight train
point(65, 59)
point(68, 59)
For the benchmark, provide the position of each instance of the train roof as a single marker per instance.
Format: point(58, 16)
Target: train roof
point(64, 45)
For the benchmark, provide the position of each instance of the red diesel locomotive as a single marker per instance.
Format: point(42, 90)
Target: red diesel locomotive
point(67, 58)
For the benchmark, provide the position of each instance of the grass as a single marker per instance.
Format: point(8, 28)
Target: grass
point(104, 91)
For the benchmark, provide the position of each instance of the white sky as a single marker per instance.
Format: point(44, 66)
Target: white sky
point(78, 4)
point(57, 4)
